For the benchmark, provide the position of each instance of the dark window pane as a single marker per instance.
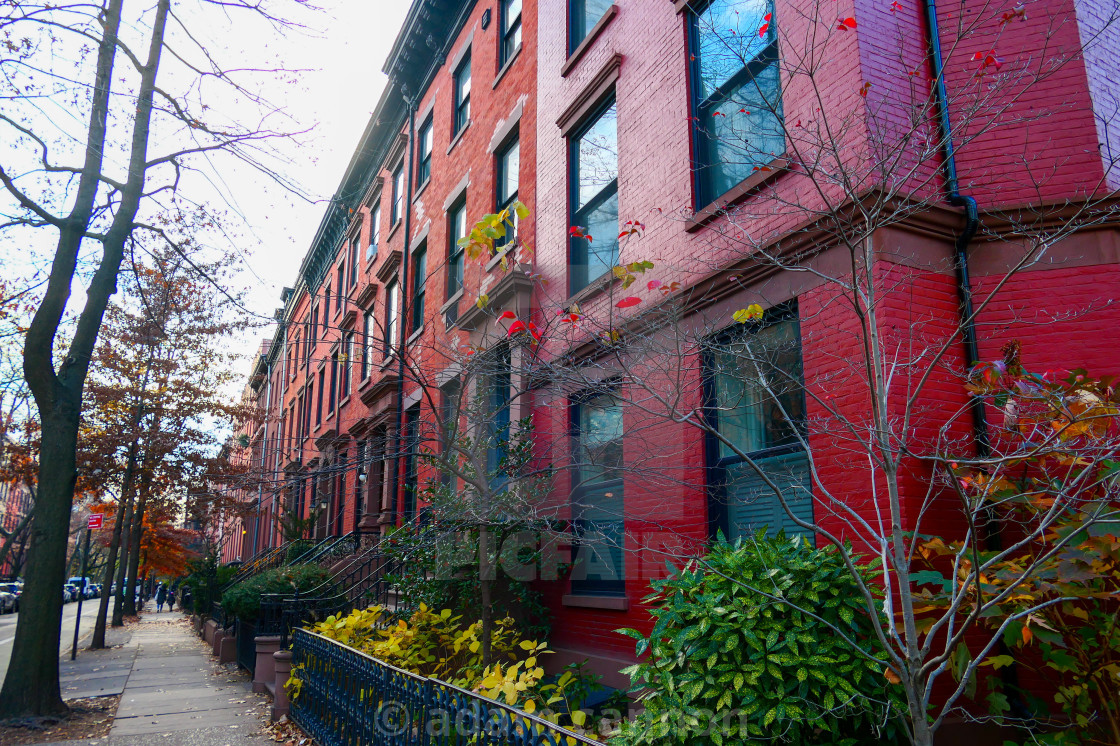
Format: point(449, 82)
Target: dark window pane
point(752, 503)
point(584, 15)
point(729, 39)
point(509, 166)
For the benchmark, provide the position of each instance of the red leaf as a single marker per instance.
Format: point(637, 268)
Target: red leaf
point(515, 327)
point(763, 29)
point(653, 284)
point(571, 318)
point(507, 315)
point(533, 330)
point(843, 24)
point(896, 5)
point(628, 302)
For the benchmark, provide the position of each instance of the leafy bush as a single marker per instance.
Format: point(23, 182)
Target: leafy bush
point(205, 579)
point(297, 549)
point(440, 645)
point(244, 599)
point(749, 645)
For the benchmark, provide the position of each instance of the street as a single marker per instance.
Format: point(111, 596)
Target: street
point(69, 612)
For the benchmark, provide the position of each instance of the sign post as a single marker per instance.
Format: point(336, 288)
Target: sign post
point(94, 523)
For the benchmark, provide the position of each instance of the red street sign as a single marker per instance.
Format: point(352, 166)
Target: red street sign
point(94, 521)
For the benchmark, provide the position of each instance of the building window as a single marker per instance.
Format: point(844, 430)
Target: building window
point(347, 364)
point(582, 17)
point(334, 383)
point(424, 165)
point(340, 493)
point(737, 94)
point(593, 160)
point(499, 399)
point(368, 329)
point(462, 95)
point(360, 468)
point(757, 402)
point(508, 171)
point(511, 30)
point(354, 247)
point(412, 461)
point(319, 401)
point(392, 311)
point(398, 195)
point(451, 394)
point(458, 225)
point(597, 503)
point(374, 228)
point(419, 283)
point(340, 276)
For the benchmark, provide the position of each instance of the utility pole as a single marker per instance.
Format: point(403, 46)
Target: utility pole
point(93, 522)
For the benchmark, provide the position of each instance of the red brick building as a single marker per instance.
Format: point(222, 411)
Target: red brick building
point(594, 114)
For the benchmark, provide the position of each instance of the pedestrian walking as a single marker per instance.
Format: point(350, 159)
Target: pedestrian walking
point(171, 599)
point(161, 597)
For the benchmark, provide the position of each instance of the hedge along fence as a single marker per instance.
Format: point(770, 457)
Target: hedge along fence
point(347, 698)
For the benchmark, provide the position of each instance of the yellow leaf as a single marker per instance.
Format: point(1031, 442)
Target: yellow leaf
point(579, 717)
point(482, 300)
point(891, 676)
point(530, 706)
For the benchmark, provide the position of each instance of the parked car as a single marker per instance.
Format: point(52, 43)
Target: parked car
point(8, 602)
point(14, 589)
point(71, 593)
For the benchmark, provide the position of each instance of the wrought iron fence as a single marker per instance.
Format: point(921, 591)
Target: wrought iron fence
point(347, 698)
point(247, 645)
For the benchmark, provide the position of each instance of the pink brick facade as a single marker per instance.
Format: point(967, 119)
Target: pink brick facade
point(1046, 148)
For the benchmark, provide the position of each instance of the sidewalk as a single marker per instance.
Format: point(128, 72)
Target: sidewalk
point(173, 694)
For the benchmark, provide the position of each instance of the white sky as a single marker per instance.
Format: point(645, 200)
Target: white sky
point(337, 95)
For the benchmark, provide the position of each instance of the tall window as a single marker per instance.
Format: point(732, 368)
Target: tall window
point(319, 400)
point(597, 504)
point(738, 97)
point(593, 160)
point(340, 276)
point(314, 326)
point(369, 328)
point(449, 421)
point(424, 164)
point(509, 168)
point(374, 228)
point(396, 211)
point(511, 30)
point(458, 225)
point(499, 399)
point(360, 468)
point(758, 405)
point(392, 311)
point(354, 246)
point(462, 95)
point(340, 493)
point(412, 461)
point(347, 365)
point(334, 383)
point(419, 283)
point(582, 17)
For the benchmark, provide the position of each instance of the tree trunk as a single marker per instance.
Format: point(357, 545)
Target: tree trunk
point(98, 641)
point(122, 566)
point(134, 544)
point(484, 571)
point(18, 535)
point(31, 685)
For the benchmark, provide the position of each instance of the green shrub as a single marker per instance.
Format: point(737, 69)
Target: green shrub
point(244, 599)
point(727, 664)
point(205, 579)
point(297, 549)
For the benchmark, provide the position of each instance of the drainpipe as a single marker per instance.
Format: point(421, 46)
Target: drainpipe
point(972, 222)
point(1009, 675)
point(264, 461)
point(402, 293)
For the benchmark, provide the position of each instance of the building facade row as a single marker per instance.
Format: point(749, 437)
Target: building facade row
point(717, 141)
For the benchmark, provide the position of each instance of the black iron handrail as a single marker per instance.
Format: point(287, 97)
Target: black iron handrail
point(348, 698)
point(264, 561)
point(331, 547)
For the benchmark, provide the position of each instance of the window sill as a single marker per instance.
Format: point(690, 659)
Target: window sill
point(592, 35)
point(415, 335)
point(343, 402)
point(607, 603)
point(453, 300)
point(505, 68)
point(420, 189)
point(458, 136)
point(591, 289)
point(737, 194)
point(393, 230)
point(389, 358)
point(502, 253)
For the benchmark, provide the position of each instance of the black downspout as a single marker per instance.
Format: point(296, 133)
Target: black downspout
point(972, 223)
point(1009, 675)
point(394, 483)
